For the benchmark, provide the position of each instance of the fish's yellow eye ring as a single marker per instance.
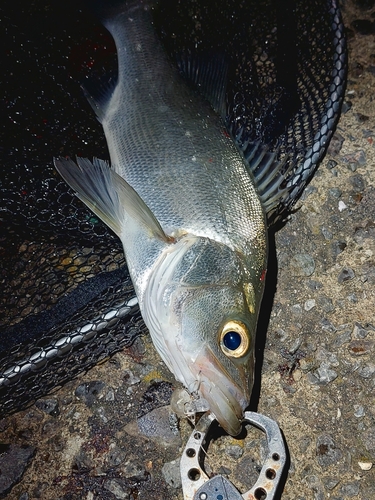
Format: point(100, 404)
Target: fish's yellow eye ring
point(239, 342)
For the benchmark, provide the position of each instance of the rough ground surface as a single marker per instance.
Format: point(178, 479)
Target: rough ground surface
point(109, 434)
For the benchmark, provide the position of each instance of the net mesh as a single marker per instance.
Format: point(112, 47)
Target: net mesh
point(66, 299)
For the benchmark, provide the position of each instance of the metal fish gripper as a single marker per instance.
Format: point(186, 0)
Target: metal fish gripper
point(197, 485)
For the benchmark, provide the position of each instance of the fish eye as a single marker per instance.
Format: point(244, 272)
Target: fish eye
point(234, 339)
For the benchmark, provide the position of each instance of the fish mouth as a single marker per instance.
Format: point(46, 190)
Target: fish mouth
point(226, 399)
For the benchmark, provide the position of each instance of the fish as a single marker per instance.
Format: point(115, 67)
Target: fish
point(182, 196)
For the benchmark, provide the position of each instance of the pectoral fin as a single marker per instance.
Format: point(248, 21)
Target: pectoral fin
point(108, 195)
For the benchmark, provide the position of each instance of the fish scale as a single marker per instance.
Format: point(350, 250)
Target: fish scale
point(47, 207)
point(197, 195)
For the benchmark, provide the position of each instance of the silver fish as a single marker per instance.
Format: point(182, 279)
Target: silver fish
point(180, 197)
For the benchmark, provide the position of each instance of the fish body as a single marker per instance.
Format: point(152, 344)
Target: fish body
point(186, 208)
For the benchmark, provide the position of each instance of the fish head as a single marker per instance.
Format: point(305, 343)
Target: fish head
point(201, 307)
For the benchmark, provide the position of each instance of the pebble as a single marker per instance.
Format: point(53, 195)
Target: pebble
point(335, 193)
point(296, 309)
point(350, 489)
point(325, 374)
point(115, 456)
point(302, 264)
point(327, 356)
point(365, 465)
point(130, 378)
point(90, 392)
point(366, 371)
point(171, 473)
point(14, 460)
point(337, 247)
point(359, 332)
point(157, 394)
point(342, 206)
point(326, 451)
point(235, 451)
point(358, 183)
point(368, 437)
point(355, 160)
point(309, 304)
point(110, 396)
point(359, 411)
point(134, 471)
point(327, 325)
point(330, 482)
point(360, 347)
point(49, 406)
point(118, 488)
point(325, 303)
point(155, 425)
point(346, 274)
point(327, 234)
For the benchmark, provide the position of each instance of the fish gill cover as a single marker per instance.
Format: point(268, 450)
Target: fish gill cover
point(67, 300)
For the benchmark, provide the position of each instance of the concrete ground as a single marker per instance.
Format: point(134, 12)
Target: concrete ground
point(111, 434)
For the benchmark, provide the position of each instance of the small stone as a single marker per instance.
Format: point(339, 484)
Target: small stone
point(14, 460)
point(365, 465)
point(155, 425)
point(350, 489)
point(355, 160)
point(110, 396)
point(359, 411)
point(314, 285)
point(327, 356)
point(115, 456)
point(235, 451)
point(326, 233)
point(325, 303)
point(309, 304)
point(49, 406)
point(353, 298)
point(118, 488)
point(133, 471)
point(359, 332)
point(90, 392)
point(358, 183)
point(360, 347)
point(342, 206)
point(343, 338)
point(337, 247)
point(326, 450)
point(345, 275)
point(327, 325)
point(302, 264)
point(346, 106)
point(335, 193)
point(366, 371)
point(368, 437)
point(296, 309)
point(172, 474)
point(330, 482)
point(336, 144)
point(325, 374)
point(130, 378)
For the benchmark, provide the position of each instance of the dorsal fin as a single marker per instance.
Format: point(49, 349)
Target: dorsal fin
point(270, 174)
point(98, 91)
point(208, 73)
